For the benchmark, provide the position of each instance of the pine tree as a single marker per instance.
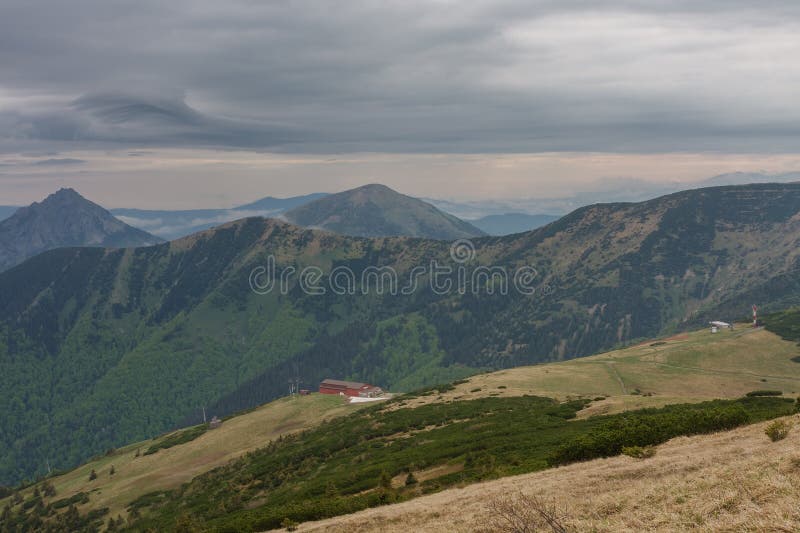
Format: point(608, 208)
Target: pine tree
point(330, 490)
point(386, 480)
point(48, 489)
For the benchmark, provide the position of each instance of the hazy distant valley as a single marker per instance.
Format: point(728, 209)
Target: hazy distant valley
point(493, 217)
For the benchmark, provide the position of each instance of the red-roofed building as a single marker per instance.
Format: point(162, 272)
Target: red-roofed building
point(349, 388)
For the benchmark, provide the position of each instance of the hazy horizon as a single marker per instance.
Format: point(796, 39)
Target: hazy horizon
point(189, 178)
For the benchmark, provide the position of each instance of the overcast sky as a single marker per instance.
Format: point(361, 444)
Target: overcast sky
point(437, 98)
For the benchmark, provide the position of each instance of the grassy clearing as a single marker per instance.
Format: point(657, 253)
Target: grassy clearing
point(696, 366)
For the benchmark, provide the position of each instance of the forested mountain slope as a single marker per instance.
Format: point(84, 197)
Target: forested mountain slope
point(100, 347)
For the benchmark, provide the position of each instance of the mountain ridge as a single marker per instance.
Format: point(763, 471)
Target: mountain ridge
point(271, 202)
point(175, 224)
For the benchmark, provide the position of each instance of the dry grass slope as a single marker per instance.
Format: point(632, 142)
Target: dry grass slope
point(731, 481)
point(169, 468)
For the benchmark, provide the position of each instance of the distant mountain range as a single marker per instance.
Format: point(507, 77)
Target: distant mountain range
point(271, 203)
point(64, 218)
point(744, 178)
point(510, 223)
point(175, 224)
point(100, 347)
point(378, 211)
point(607, 190)
point(507, 214)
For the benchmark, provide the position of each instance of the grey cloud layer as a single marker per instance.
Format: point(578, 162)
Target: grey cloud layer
point(437, 76)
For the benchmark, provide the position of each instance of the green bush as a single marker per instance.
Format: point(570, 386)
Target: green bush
point(181, 437)
point(79, 498)
point(289, 524)
point(778, 430)
point(48, 489)
point(649, 427)
point(639, 452)
point(764, 393)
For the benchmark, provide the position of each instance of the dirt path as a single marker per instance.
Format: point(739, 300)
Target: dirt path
point(613, 370)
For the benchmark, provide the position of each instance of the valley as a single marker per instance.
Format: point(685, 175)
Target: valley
point(135, 342)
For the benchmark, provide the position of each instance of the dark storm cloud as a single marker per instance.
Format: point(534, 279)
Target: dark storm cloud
point(59, 162)
point(117, 117)
point(437, 76)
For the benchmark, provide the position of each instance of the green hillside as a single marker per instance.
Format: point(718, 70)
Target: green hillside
point(104, 347)
point(384, 454)
point(477, 428)
point(691, 366)
point(350, 463)
point(169, 460)
point(786, 324)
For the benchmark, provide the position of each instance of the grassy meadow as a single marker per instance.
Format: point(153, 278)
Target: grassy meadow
point(694, 366)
